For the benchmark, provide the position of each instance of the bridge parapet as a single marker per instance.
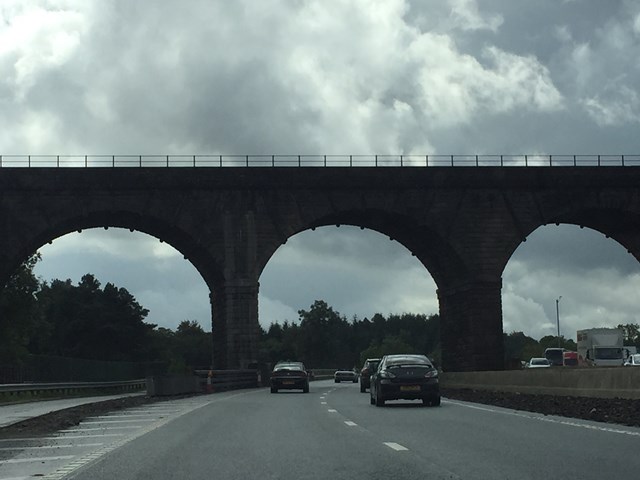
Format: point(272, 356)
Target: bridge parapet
point(252, 161)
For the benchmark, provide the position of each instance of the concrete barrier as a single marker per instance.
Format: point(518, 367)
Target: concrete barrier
point(612, 382)
point(162, 385)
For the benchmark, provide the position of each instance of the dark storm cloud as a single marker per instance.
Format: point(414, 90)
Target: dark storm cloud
point(570, 249)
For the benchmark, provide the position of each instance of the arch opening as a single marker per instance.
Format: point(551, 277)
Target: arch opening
point(594, 279)
point(155, 272)
point(358, 272)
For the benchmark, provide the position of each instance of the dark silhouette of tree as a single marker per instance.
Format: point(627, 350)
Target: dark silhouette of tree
point(325, 339)
point(19, 311)
point(631, 333)
point(85, 321)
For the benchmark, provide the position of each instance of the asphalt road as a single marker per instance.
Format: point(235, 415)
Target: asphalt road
point(334, 433)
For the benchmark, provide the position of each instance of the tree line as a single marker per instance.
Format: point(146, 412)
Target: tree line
point(91, 321)
point(323, 338)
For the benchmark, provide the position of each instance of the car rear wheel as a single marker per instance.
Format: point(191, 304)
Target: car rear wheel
point(305, 389)
point(379, 399)
point(274, 390)
point(337, 381)
point(362, 389)
point(372, 400)
point(431, 401)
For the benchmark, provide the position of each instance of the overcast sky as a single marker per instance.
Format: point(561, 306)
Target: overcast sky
point(332, 77)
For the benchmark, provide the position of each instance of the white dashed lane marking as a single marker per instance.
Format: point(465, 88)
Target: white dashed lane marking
point(331, 410)
point(395, 446)
point(350, 423)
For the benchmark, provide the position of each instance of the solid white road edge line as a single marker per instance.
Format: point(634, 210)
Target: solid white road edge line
point(547, 419)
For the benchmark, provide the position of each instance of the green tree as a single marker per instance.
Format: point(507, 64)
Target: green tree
point(551, 341)
point(631, 333)
point(19, 316)
point(520, 347)
point(85, 321)
point(193, 344)
point(325, 338)
point(390, 345)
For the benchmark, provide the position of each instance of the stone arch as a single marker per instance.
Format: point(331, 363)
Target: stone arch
point(437, 255)
point(195, 252)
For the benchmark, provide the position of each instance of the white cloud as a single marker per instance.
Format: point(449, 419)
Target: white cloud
point(468, 17)
point(617, 106)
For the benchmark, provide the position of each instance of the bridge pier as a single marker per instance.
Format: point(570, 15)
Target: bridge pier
point(471, 326)
point(235, 324)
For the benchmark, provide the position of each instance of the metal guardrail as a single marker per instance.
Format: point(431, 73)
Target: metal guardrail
point(25, 389)
point(177, 161)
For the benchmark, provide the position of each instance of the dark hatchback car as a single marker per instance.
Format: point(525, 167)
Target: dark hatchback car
point(405, 377)
point(369, 367)
point(289, 376)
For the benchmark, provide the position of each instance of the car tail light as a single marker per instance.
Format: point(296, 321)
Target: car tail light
point(431, 374)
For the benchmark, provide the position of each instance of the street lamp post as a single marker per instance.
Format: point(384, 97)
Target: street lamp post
point(558, 317)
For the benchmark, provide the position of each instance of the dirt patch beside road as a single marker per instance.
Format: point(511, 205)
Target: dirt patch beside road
point(69, 417)
point(614, 410)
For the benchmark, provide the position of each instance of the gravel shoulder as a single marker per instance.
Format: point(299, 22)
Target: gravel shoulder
point(607, 410)
point(69, 417)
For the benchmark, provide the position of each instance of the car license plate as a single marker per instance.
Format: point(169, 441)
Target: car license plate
point(410, 388)
point(288, 382)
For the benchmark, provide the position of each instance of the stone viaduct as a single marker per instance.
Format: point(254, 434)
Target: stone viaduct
point(462, 223)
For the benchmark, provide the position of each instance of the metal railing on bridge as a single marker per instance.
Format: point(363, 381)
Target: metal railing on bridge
point(177, 161)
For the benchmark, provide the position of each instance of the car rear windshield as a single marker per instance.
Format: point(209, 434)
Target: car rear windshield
point(397, 361)
point(288, 366)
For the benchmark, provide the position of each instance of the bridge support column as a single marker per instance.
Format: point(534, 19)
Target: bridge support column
point(235, 324)
point(471, 326)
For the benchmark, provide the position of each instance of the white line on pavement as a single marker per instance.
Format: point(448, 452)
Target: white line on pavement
point(331, 410)
point(155, 414)
point(395, 446)
point(549, 420)
point(43, 447)
point(78, 430)
point(350, 423)
point(34, 459)
point(61, 437)
point(120, 421)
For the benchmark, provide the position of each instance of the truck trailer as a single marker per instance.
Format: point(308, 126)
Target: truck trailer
point(600, 347)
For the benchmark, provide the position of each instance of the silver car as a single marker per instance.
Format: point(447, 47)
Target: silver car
point(538, 363)
point(633, 361)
